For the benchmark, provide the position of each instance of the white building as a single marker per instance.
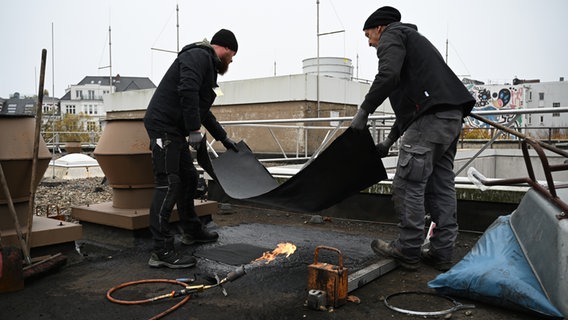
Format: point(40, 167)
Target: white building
point(86, 97)
point(525, 95)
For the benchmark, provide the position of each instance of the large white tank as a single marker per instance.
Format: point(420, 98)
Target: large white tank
point(336, 67)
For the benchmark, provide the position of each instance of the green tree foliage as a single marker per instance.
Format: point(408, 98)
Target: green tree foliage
point(72, 127)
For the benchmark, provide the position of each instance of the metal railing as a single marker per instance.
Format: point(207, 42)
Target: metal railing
point(548, 190)
point(379, 127)
point(55, 140)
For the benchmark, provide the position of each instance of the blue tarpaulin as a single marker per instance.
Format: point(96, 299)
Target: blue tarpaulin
point(496, 271)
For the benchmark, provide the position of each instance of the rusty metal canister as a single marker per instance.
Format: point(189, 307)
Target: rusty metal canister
point(332, 279)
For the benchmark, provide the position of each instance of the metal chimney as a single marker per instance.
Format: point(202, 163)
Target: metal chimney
point(124, 156)
point(16, 153)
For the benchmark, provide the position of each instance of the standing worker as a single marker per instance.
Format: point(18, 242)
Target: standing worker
point(178, 108)
point(429, 102)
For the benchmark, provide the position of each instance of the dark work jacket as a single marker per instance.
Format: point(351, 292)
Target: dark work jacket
point(415, 77)
point(182, 102)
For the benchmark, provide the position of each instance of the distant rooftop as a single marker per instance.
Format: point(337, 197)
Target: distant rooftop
point(120, 83)
point(17, 106)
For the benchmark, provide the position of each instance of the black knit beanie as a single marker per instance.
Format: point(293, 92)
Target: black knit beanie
point(382, 17)
point(225, 38)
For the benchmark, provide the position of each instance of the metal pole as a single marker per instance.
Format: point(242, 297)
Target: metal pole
point(318, 60)
point(109, 60)
point(54, 104)
point(35, 150)
point(177, 25)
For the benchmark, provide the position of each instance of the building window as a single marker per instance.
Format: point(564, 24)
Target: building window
point(70, 109)
point(541, 99)
point(12, 108)
point(95, 109)
point(29, 109)
point(556, 105)
point(91, 126)
point(91, 94)
point(79, 94)
point(530, 96)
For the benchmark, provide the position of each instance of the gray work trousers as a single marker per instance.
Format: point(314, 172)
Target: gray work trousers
point(425, 182)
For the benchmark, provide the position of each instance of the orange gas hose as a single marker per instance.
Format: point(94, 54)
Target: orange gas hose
point(132, 302)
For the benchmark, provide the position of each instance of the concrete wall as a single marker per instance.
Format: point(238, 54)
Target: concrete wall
point(283, 97)
point(269, 140)
point(500, 163)
point(298, 87)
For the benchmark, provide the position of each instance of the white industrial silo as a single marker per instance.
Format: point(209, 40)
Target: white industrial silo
point(336, 67)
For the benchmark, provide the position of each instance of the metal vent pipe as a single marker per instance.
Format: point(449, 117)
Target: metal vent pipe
point(16, 155)
point(124, 156)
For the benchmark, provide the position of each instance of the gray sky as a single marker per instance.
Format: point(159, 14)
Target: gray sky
point(491, 41)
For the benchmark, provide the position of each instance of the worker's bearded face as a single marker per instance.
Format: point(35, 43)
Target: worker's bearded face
point(226, 59)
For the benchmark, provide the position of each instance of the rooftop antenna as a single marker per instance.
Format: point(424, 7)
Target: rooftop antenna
point(318, 55)
point(177, 25)
point(53, 106)
point(446, 50)
point(52, 64)
point(109, 60)
point(357, 72)
point(447, 37)
point(177, 32)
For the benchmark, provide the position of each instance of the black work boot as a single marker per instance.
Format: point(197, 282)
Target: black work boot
point(170, 259)
point(430, 258)
point(199, 235)
point(388, 250)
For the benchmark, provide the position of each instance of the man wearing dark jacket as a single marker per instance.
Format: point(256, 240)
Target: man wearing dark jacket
point(180, 105)
point(429, 103)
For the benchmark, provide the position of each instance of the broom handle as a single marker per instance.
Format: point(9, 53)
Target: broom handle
point(12, 210)
point(36, 148)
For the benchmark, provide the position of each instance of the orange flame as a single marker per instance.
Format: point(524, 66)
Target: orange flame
point(283, 248)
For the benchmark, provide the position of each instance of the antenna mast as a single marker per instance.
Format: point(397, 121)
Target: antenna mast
point(177, 25)
point(109, 60)
point(446, 50)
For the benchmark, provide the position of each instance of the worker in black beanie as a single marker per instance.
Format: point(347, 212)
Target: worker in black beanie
point(382, 17)
point(179, 107)
point(225, 38)
point(429, 102)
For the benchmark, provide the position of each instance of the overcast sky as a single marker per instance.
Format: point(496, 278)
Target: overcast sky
point(491, 41)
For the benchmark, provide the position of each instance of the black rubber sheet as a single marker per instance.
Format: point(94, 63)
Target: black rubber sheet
point(234, 254)
point(348, 165)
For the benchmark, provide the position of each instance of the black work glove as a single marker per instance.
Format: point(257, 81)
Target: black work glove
point(383, 147)
point(360, 119)
point(194, 139)
point(230, 144)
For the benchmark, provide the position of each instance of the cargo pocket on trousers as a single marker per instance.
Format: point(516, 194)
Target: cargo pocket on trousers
point(412, 163)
